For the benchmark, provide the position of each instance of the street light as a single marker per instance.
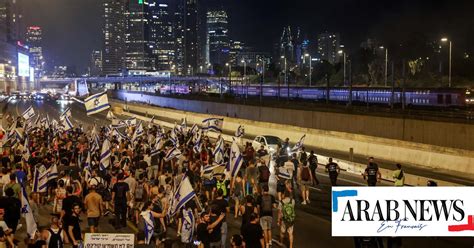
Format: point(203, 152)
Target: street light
point(444, 39)
point(230, 75)
point(245, 75)
point(341, 52)
point(310, 59)
point(263, 79)
point(286, 80)
point(386, 64)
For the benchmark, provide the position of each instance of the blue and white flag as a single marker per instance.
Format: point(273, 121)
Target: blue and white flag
point(157, 147)
point(197, 148)
point(87, 168)
point(110, 115)
point(117, 123)
point(183, 193)
point(40, 179)
point(31, 227)
point(218, 152)
point(240, 132)
point(53, 172)
point(299, 144)
point(138, 132)
point(29, 113)
point(66, 113)
point(105, 155)
point(213, 124)
point(284, 173)
point(174, 136)
point(151, 123)
point(194, 129)
point(187, 229)
point(211, 170)
point(97, 103)
point(236, 159)
point(149, 225)
point(95, 143)
point(172, 153)
point(66, 123)
point(182, 127)
point(131, 121)
point(120, 136)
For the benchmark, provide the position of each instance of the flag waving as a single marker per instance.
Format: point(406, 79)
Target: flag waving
point(219, 151)
point(29, 113)
point(172, 153)
point(181, 196)
point(236, 159)
point(213, 124)
point(105, 155)
point(299, 145)
point(240, 131)
point(97, 103)
point(66, 123)
point(66, 113)
point(31, 226)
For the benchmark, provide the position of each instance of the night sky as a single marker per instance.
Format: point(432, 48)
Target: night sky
point(72, 28)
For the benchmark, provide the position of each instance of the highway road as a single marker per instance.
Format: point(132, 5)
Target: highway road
point(313, 221)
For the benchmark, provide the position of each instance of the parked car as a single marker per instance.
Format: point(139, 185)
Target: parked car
point(268, 141)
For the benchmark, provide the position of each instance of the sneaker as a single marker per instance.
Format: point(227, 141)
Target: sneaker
point(304, 203)
point(307, 201)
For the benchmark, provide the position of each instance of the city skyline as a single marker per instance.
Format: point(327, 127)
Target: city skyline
point(78, 25)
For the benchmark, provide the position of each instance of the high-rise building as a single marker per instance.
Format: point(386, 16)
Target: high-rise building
point(114, 36)
point(34, 39)
point(191, 40)
point(287, 46)
point(11, 18)
point(217, 36)
point(328, 47)
point(179, 66)
point(96, 63)
point(161, 34)
point(139, 43)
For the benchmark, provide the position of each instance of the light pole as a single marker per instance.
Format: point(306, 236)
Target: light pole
point(230, 76)
point(450, 58)
point(386, 64)
point(310, 59)
point(286, 80)
point(344, 59)
point(245, 76)
point(263, 79)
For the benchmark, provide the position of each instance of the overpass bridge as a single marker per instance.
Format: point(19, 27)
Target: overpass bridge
point(79, 85)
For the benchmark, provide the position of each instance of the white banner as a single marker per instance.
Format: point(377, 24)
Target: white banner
point(402, 211)
point(109, 240)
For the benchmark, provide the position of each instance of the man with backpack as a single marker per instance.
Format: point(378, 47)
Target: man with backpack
point(372, 173)
point(286, 218)
point(263, 174)
point(304, 178)
point(54, 235)
point(120, 197)
point(313, 165)
point(399, 176)
point(93, 204)
point(141, 194)
point(333, 170)
point(266, 203)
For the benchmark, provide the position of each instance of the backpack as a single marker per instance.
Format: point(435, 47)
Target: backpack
point(55, 241)
point(400, 176)
point(264, 173)
point(121, 194)
point(266, 204)
point(140, 193)
point(288, 210)
point(305, 176)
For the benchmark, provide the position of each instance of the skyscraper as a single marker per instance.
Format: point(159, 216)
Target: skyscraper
point(139, 43)
point(114, 36)
point(328, 46)
point(161, 24)
point(96, 63)
point(287, 46)
point(191, 25)
point(217, 36)
point(34, 37)
point(179, 36)
point(11, 18)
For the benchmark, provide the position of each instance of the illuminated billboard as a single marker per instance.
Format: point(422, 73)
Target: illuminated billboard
point(32, 74)
point(23, 65)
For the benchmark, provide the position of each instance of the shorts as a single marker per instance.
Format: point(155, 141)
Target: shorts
point(280, 188)
point(266, 222)
point(93, 221)
point(286, 228)
point(139, 205)
point(261, 184)
point(209, 187)
point(305, 183)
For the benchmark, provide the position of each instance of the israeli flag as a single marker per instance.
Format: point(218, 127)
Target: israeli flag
point(236, 159)
point(218, 152)
point(151, 123)
point(87, 168)
point(284, 173)
point(138, 132)
point(299, 145)
point(174, 136)
point(40, 179)
point(172, 153)
point(53, 172)
point(110, 115)
point(149, 225)
point(213, 124)
point(194, 129)
point(105, 155)
point(120, 136)
point(31, 227)
point(183, 193)
point(131, 121)
point(29, 113)
point(240, 132)
point(97, 103)
point(182, 127)
point(66, 123)
point(95, 143)
point(66, 113)
point(187, 229)
point(157, 147)
point(116, 123)
point(197, 148)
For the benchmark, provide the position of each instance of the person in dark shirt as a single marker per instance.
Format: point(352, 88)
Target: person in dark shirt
point(120, 197)
point(202, 232)
point(253, 233)
point(333, 170)
point(68, 202)
point(222, 207)
point(71, 224)
point(12, 208)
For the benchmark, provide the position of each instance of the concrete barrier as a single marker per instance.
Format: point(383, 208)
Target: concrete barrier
point(232, 124)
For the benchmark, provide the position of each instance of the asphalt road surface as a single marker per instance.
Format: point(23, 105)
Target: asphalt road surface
point(313, 221)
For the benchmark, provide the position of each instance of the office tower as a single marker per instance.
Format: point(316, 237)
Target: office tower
point(162, 34)
point(114, 36)
point(11, 18)
point(96, 63)
point(217, 36)
point(328, 46)
point(34, 39)
point(191, 26)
